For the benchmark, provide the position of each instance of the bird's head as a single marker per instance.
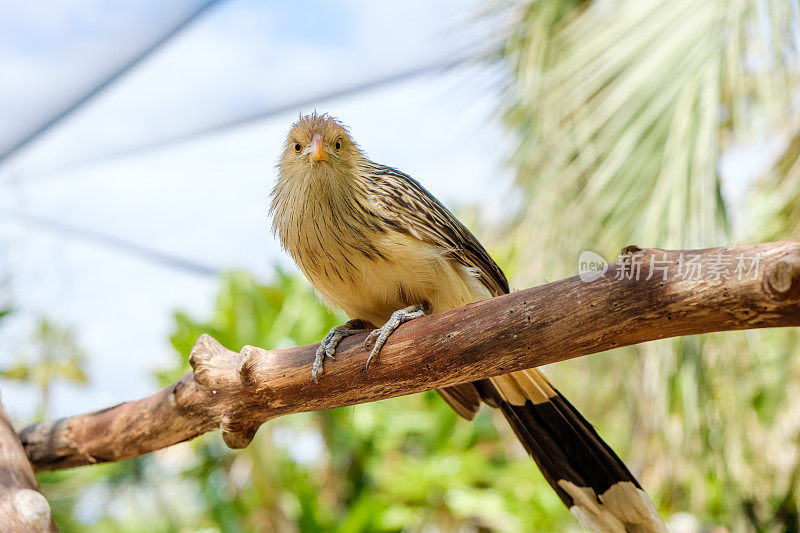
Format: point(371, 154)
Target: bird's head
point(319, 145)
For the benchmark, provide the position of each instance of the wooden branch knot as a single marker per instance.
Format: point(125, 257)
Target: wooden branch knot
point(226, 376)
point(236, 433)
point(783, 276)
point(215, 367)
point(629, 250)
point(248, 365)
point(33, 509)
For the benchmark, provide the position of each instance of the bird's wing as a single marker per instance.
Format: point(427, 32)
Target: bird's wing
point(583, 470)
point(406, 206)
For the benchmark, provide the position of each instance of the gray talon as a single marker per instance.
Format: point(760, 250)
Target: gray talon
point(380, 335)
point(327, 348)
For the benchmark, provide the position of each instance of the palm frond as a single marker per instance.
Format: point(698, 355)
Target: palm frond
point(623, 111)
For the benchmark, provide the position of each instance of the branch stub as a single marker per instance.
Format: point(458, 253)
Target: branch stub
point(785, 275)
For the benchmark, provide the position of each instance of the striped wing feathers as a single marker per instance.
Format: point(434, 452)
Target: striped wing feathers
point(587, 475)
point(407, 207)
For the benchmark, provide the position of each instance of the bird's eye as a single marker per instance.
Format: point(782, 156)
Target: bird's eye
point(338, 145)
point(298, 148)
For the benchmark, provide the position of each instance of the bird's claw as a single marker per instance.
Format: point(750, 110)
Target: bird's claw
point(327, 348)
point(380, 335)
point(371, 337)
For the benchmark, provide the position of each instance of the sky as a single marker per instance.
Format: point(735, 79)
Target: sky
point(127, 165)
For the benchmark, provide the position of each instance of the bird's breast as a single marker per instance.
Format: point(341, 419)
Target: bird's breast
point(367, 268)
point(392, 271)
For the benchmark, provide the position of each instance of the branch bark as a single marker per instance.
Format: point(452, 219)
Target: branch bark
point(22, 506)
point(681, 292)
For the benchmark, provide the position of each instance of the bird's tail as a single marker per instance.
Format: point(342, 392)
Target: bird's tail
point(584, 471)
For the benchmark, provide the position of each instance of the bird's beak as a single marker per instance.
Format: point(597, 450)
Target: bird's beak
point(317, 152)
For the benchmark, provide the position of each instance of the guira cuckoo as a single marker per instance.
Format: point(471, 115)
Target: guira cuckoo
point(374, 243)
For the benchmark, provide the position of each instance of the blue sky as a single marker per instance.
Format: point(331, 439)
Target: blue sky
point(204, 199)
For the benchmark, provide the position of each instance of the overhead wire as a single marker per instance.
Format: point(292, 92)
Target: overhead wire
point(79, 102)
point(266, 113)
point(95, 237)
point(151, 254)
point(112, 242)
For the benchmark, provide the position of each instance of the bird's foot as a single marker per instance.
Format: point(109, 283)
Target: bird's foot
point(379, 336)
point(327, 348)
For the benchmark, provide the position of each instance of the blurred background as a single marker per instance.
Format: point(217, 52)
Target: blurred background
point(138, 144)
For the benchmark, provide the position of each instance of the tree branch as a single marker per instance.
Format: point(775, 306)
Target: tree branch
point(688, 292)
point(22, 506)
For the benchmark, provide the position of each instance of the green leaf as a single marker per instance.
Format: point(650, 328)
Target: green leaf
point(18, 372)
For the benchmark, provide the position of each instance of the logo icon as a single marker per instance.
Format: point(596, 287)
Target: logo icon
point(591, 266)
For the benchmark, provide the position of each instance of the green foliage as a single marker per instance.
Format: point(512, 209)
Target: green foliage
point(624, 111)
point(55, 356)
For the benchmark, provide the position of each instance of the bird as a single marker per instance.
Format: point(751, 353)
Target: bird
point(376, 244)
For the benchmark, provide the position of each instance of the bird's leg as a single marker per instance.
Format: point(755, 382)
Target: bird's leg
point(327, 348)
point(380, 335)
